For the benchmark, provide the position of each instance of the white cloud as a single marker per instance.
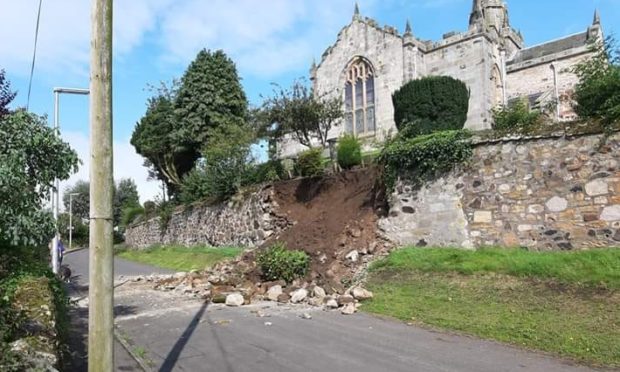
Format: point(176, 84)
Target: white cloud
point(127, 164)
point(266, 38)
point(64, 33)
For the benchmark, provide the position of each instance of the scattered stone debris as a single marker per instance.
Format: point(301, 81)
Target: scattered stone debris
point(361, 294)
point(234, 299)
point(299, 295)
point(227, 289)
point(348, 309)
point(305, 316)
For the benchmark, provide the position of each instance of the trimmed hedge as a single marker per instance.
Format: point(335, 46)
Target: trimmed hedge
point(430, 104)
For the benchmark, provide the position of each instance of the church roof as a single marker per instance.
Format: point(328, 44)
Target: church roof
point(551, 47)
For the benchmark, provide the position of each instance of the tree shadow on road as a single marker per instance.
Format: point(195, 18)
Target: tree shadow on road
point(177, 349)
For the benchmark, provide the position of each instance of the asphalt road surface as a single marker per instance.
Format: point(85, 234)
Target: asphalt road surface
point(78, 262)
point(176, 333)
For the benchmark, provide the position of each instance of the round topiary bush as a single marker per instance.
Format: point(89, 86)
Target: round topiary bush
point(430, 104)
point(349, 151)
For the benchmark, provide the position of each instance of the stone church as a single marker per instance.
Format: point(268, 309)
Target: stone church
point(367, 63)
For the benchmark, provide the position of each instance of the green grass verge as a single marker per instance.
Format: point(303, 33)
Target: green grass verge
point(552, 305)
point(592, 268)
point(179, 258)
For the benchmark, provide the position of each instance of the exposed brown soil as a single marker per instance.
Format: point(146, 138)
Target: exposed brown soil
point(331, 217)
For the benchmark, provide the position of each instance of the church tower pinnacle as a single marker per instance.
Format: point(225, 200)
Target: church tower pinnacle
point(488, 14)
point(356, 12)
point(476, 16)
point(408, 31)
point(597, 18)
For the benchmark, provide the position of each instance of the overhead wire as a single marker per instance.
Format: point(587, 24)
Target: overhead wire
point(34, 55)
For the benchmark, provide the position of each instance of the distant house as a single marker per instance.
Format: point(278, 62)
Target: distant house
point(367, 63)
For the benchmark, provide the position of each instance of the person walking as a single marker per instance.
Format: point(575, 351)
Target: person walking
point(61, 251)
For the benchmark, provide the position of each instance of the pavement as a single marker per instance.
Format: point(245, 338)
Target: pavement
point(77, 261)
point(176, 333)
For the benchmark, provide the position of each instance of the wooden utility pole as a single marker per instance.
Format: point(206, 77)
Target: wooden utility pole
point(101, 280)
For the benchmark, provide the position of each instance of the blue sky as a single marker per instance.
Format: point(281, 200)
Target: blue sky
point(270, 40)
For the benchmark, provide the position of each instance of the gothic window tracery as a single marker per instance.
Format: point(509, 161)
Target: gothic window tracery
point(359, 98)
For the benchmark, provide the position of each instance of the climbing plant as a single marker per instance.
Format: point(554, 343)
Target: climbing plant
point(424, 157)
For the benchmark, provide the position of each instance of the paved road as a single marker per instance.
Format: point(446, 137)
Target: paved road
point(180, 334)
point(194, 336)
point(78, 262)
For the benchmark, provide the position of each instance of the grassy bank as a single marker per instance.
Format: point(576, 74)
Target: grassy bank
point(179, 258)
point(565, 303)
point(33, 306)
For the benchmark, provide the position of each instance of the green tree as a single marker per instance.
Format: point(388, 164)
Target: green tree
point(597, 94)
point(225, 165)
point(125, 197)
point(157, 137)
point(430, 104)
point(210, 95)
point(80, 234)
point(298, 111)
point(6, 94)
point(81, 199)
point(31, 157)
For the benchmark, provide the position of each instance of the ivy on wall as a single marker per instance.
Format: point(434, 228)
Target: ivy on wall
point(425, 157)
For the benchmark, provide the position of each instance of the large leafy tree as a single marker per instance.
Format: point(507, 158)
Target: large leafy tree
point(299, 112)
point(6, 94)
point(157, 138)
point(31, 157)
point(210, 95)
point(225, 165)
point(597, 94)
point(80, 207)
point(125, 196)
point(178, 122)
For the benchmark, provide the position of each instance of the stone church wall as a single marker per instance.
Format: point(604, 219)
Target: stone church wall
point(547, 194)
point(248, 222)
point(384, 50)
point(523, 81)
point(469, 60)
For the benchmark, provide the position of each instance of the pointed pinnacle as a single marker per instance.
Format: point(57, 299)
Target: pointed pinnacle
point(408, 28)
point(356, 12)
point(597, 18)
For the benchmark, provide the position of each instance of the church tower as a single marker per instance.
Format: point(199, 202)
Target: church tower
point(489, 14)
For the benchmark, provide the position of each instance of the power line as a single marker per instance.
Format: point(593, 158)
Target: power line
point(34, 54)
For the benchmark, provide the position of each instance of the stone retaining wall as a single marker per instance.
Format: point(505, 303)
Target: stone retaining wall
point(248, 222)
point(547, 193)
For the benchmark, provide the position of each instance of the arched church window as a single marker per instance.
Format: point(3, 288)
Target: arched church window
point(359, 98)
point(497, 86)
